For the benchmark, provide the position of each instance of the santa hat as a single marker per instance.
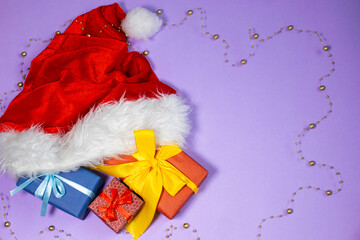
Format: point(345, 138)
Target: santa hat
point(84, 96)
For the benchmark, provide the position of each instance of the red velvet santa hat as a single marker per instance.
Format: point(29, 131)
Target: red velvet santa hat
point(85, 95)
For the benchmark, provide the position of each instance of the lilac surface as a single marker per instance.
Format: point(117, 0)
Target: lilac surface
point(245, 120)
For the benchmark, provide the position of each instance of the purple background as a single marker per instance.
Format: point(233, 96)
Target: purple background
point(246, 119)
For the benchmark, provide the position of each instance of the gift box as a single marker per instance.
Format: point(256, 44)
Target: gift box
point(78, 188)
point(171, 205)
point(149, 172)
point(116, 205)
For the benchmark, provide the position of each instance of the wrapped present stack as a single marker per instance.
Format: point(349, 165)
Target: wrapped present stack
point(89, 102)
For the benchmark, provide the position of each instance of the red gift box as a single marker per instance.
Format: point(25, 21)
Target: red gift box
point(171, 205)
point(116, 205)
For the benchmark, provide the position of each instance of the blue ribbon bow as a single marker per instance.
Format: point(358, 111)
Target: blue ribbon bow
point(52, 183)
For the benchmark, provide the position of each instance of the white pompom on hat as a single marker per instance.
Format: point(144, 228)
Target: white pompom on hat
point(141, 23)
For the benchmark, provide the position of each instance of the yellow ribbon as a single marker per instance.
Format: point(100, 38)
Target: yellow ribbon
point(148, 176)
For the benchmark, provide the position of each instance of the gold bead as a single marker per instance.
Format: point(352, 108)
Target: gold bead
point(57, 32)
point(312, 163)
point(289, 211)
point(20, 84)
point(7, 224)
point(128, 43)
point(325, 48)
point(159, 11)
point(256, 36)
point(312, 125)
point(146, 52)
point(290, 27)
point(216, 36)
point(24, 54)
point(328, 192)
point(190, 12)
point(243, 61)
point(186, 225)
point(322, 88)
point(51, 228)
point(88, 35)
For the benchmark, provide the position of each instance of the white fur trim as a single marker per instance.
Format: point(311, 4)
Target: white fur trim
point(106, 131)
point(140, 23)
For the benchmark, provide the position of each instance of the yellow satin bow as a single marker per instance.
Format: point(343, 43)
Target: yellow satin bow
point(148, 176)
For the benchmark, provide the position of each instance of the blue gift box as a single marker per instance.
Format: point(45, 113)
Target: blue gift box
point(73, 201)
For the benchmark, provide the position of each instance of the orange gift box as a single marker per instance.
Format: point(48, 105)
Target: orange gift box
point(171, 205)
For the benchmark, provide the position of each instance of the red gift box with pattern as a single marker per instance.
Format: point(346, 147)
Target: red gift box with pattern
point(116, 205)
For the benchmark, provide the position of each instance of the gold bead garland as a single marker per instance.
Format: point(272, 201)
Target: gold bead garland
point(51, 228)
point(57, 233)
point(170, 231)
point(255, 37)
point(7, 223)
